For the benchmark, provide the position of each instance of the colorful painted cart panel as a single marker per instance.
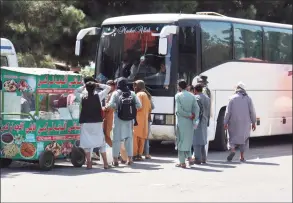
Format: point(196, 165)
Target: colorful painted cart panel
point(50, 122)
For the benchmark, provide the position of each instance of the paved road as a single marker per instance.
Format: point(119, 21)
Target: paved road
point(266, 177)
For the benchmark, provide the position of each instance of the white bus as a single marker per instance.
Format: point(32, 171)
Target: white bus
point(227, 50)
point(8, 54)
point(8, 59)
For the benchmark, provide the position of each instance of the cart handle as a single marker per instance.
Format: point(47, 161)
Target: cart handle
point(22, 114)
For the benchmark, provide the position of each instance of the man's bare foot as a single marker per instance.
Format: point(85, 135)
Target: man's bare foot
point(89, 165)
point(107, 166)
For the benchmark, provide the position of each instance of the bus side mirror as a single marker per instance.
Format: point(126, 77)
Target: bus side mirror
point(163, 46)
point(81, 34)
point(77, 47)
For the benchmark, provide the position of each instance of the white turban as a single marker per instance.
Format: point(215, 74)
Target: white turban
point(241, 85)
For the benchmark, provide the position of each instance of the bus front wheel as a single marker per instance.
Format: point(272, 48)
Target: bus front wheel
point(220, 143)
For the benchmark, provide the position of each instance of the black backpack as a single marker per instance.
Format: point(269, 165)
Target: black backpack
point(126, 106)
point(200, 109)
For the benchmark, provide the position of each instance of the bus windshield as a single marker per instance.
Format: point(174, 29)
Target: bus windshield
point(131, 51)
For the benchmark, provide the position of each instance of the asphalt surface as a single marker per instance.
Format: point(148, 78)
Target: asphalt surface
point(265, 177)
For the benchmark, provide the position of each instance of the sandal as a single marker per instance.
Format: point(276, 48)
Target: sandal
point(129, 163)
point(139, 158)
point(196, 161)
point(148, 157)
point(242, 160)
point(181, 165)
point(116, 164)
point(231, 156)
point(135, 158)
point(123, 162)
point(191, 162)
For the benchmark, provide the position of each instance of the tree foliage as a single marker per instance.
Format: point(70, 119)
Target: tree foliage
point(42, 30)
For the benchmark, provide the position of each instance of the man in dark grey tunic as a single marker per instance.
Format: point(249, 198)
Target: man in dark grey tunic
point(239, 119)
point(201, 132)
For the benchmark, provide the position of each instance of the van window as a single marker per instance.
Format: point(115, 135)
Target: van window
point(4, 61)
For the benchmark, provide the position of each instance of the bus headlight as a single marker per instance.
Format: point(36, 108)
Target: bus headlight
point(169, 119)
point(160, 119)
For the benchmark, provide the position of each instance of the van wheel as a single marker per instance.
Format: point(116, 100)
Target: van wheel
point(77, 157)
point(46, 160)
point(5, 162)
point(220, 142)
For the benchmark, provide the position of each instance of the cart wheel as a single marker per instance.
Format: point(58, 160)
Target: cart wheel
point(46, 160)
point(77, 157)
point(5, 162)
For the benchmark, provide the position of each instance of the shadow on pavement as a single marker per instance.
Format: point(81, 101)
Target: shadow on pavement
point(159, 161)
point(260, 148)
point(224, 162)
point(204, 169)
point(218, 165)
point(247, 162)
point(148, 167)
point(261, 163)
point(59, 170)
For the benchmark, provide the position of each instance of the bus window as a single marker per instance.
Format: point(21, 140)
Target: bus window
point(131, 51)
point(4, 61)
point(247, 41)
point(187, 53)
point(216, 43)
point(278, 45)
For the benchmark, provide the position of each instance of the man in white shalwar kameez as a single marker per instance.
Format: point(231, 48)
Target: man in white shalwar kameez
point(81, 91)
point(92, 134)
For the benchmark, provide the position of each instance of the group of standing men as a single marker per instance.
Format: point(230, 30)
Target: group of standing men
point(118, 110)
point(192, 120)
point(127, 115)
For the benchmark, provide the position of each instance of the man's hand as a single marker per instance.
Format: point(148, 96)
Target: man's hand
point(253, 127)
point(192, 116)
point(226, 126)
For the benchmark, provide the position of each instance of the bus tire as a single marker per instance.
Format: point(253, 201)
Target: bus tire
point(220, 142)
point(77, 157)
point(5, 162)
point(46, 160)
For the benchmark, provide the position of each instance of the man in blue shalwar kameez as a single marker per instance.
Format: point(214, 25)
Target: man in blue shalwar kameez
point(186, 110)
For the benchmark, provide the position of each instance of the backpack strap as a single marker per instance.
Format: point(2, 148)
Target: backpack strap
point(119, 92)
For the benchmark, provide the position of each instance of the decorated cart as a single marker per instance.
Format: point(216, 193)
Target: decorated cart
point(39, 117)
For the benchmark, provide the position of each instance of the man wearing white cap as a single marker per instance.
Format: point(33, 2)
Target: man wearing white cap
point(239, 119)
point(203, 80)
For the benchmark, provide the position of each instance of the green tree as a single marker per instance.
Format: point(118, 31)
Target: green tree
point(41, 28)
